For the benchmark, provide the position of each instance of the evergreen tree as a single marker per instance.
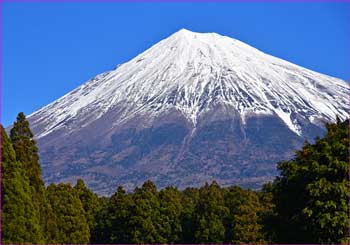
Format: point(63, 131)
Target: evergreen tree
point(101, 232)
point(312, 193)
point(145, 215)
point(20, 217)
point(72, 226)
point(243, 224)
point(268, 214)
point(189, 200)
point(113, 220)
point(209, 215)
point(50, 224)
point(27, 151)
point(89, 200)
point(170, 215)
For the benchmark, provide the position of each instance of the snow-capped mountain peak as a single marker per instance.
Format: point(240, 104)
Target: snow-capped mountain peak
point(192, 73)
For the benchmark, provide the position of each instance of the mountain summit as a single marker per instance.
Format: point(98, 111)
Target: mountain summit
point(192, 108)
point(192, 72)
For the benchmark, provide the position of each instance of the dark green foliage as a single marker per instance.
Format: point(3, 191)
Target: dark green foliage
point(170, 226)
point(189, 199)
point(243, 221)
point(209, 213)
point(27, 151)
point(112, 220)
point(145, 215)
point(72, 226)
point(312, 193)
point(20, 217)
point(101, 232)
point(89, 200)
point(268, 214)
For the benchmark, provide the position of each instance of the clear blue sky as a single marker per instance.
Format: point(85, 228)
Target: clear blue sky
point(51, 48)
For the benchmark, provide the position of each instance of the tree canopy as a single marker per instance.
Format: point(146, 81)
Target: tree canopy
point(20, 214)
point(312, 193)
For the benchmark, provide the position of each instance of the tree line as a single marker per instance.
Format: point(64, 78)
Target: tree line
point(307, 203)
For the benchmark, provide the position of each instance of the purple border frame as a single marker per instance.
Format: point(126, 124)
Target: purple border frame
point(135, 1)
point(164, 1)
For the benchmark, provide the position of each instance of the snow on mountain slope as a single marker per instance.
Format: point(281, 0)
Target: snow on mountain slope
point(193, 72)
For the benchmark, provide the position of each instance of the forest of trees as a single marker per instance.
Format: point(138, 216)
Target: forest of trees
point(307, 203)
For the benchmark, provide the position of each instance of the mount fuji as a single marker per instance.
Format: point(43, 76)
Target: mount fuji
point(192, 108)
